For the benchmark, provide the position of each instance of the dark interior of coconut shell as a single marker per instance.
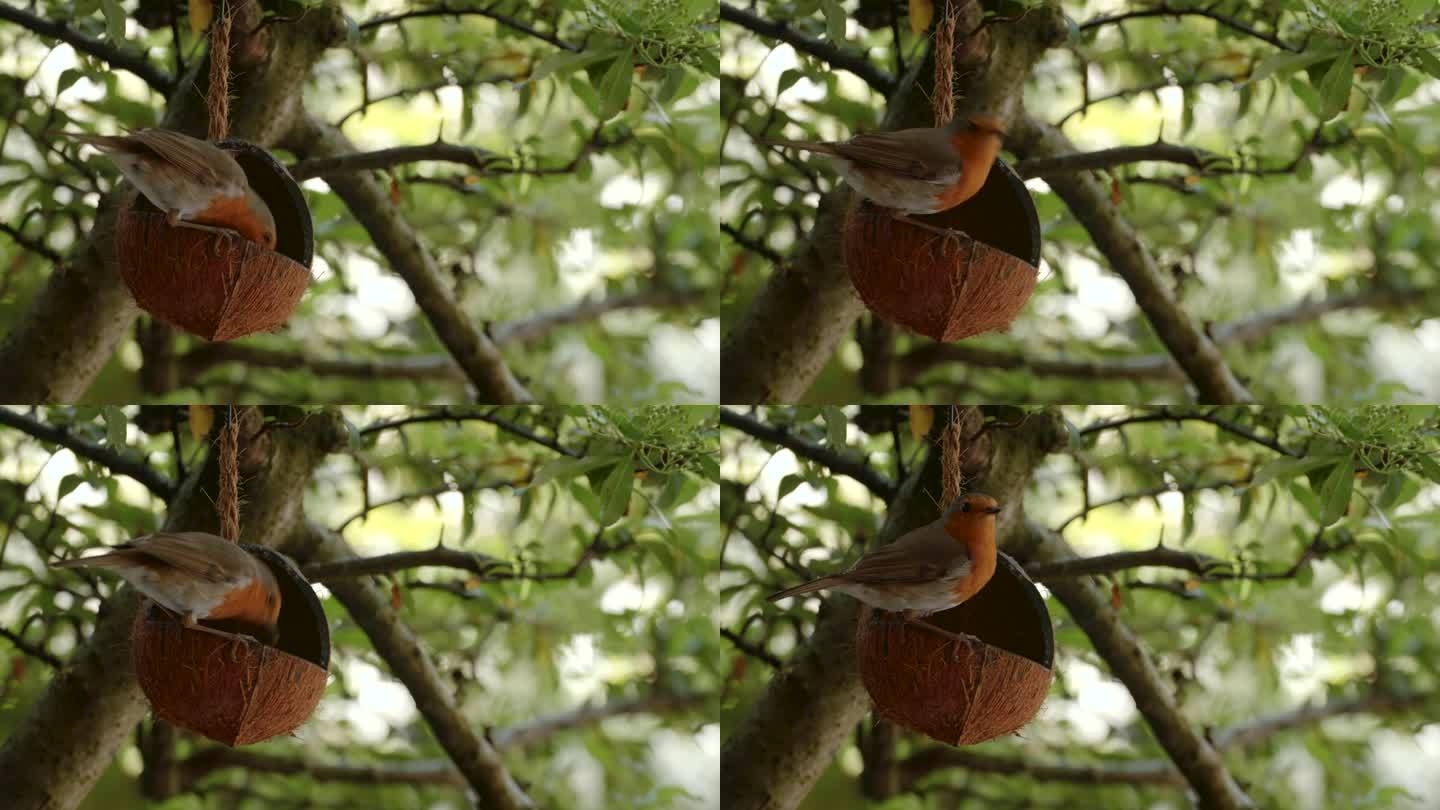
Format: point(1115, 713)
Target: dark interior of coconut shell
point(294, 232)
point(1008, 613)
point(304, 632)
point(1001, 214)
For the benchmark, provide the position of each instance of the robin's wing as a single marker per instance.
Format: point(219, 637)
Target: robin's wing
point(201, 555)
point(919, 154)
point(203, 162)
point(924, 555)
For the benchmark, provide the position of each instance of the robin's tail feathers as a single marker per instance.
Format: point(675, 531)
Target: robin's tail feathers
point(814, 585)
point(98, 561)
point(817, 146)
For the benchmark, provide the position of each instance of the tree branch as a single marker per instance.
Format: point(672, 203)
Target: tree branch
point(439, 367)
point(546, 726)
point(1118, 156)
point(35, 246)
point(408, 660)
point(1240, 331)
point(448, 415)
point(444, 10)
point(158, 79)
point(1090, 203)
point(1196, 758)
point(480, 358)
point(395, 156)
point(477, 563)
point(107, 457)
point(1123, 560)
point(824, 51)
point(36, 651)
point(827, 457)
point(1153, 492)
point(1167, 415)
point(1167, 10)
point(1149, 771)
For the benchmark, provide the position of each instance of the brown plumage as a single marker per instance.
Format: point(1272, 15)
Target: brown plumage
point(197, 576)
point(195, 183)
point(929, 569)
point(915, 171)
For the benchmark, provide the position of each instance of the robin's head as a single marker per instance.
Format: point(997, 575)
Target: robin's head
point(988, 124)
point(969, 512)
point(261, 227)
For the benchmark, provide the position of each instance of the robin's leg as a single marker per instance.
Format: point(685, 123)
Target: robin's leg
point(189, 621)
point(964, 638)
point(173, 217)
point(948, 233)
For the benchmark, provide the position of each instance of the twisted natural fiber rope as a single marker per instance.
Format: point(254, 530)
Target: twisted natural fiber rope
point(943, 100)
point(952, 447)
point(228, 504)
point(217, 102)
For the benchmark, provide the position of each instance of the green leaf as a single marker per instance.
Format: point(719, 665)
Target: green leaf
point(835, 425)
point(834, 20)
point(68, 485)
point(1335, 492)
point(563, 62)
point(566, 468)
point(788, 485)
point(788, 80)
point(1429, 62)
point(114, 20)
point(1283, 64)
point(614, 86)
point(615, 493)
point(115, 423)
point(1286, 468)
point(1335, 86)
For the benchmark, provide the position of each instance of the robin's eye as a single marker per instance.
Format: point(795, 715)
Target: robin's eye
point(965, 507)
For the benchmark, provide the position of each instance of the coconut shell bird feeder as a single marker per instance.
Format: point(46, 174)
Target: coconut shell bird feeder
point(956, 693)
point(947, 287)
point(235, 692)
point(220, 286)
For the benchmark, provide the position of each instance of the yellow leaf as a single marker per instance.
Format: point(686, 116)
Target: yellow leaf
point(201, 12)
point(202, 417)
point(921, 12)
point(922, 417)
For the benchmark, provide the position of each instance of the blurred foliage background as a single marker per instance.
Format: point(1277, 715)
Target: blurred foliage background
point(602, 600)
point(1315, 633)
point(1306, 249)
point(601, 115)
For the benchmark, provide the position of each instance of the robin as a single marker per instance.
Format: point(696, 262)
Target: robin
point(916, 171)
point(927, 570)
point(195, 183)
point(198, 576)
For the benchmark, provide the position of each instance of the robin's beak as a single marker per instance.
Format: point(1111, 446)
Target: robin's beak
point(994, 510)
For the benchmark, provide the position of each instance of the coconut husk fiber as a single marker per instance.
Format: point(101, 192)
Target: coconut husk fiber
point(237, 692)
point(956, 693)
point(948, 287)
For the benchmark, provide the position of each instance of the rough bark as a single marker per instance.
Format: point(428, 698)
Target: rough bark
point(808, 305)
point(1089, 200)
point(1089, 605)
point(473, 351)
point(70, 735)
point(473, 754)
point(76, 322)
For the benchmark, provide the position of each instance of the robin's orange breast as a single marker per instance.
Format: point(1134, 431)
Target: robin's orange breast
point(254, 603)
point(233, 213)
